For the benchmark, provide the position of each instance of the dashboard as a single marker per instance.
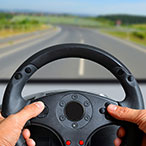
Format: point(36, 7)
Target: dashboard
point(113, 91)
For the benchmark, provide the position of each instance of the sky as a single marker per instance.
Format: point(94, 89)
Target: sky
point(85, 7)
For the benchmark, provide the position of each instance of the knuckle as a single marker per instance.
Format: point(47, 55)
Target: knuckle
point(15, 119)
point(141, 120)
point(5, 142)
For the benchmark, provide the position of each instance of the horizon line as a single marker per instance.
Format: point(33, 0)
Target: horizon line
point(62, 13)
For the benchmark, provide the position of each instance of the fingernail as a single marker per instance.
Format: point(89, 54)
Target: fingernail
point(40, 104)
point(112, 107)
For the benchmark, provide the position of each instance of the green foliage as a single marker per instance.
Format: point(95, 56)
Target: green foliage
point(141, 27)
point(73, 20)
point(126, 19)
point(60, 19)
point(139, 35)
point(105, 21)
point(7, 21)
point(27, 21)
point(6, 16)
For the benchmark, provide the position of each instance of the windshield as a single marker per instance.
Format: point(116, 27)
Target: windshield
point(118, 27)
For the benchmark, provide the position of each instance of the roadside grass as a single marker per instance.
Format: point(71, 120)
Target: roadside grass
point(135, 33)
point(120, 34)
point(139, 26)
point(141, 39)
point(11, 32)
point(77, 21)
point(11, 27)
point(19, 24)
point(53, 19)
point(40, 19)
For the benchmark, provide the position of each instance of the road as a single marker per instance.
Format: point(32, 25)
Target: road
point(14, 51)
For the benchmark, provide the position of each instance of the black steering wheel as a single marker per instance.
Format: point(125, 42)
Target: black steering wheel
point(74, 116)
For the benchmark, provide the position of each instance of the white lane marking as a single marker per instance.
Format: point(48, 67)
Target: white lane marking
point(82, 67)
point(134, 46)
point(82, 61)
point(25, 46)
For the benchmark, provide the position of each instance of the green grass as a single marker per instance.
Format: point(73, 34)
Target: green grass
point(138, 37)
point(19, 24)
point(118, 34)
point(135, 33)
point(14, 24)
point(139, 26)
point(28, 23)
point(40, 19)
point(11, 25)
point(69, 20)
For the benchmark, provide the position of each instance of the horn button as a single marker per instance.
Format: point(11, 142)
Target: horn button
point(74, 111)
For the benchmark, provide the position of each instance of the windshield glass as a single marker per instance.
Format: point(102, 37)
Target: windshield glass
point(118, 27)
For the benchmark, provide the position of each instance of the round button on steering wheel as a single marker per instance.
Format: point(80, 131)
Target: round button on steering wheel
point(75, 116)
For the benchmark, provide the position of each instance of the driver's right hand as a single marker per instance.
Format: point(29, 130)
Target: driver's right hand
point(131, 115)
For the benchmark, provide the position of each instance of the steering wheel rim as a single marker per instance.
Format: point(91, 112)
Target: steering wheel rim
point(13, 101)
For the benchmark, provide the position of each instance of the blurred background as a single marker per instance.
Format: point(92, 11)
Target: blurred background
point(118, 27)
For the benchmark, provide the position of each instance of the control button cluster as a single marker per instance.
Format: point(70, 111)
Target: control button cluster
point(103, 110)
point(81, 142)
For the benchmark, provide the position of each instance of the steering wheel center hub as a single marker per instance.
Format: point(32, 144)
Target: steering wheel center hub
point(74, 111)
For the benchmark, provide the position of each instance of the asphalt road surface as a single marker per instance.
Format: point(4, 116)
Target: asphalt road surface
point(13, 51)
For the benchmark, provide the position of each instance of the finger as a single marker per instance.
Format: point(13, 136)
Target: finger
point(30, 111)
point(26, 134)
point(121, 132)
point(30, 142)
point(124, 113)
point(117, 142)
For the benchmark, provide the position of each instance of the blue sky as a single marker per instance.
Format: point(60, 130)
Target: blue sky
point(91, 7)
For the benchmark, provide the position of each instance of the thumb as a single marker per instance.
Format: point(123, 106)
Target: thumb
point(131, 115)
point(28, 112)
point(11, 127)
point(124, 113)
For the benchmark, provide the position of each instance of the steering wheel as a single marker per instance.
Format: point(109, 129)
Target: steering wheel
point(74, 116)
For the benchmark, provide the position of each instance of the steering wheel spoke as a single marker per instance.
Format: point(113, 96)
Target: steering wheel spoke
point(78, 113)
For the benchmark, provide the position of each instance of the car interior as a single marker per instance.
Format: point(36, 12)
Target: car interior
point(77, 62)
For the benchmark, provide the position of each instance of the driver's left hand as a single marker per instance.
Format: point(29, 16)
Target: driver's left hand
point(11, 127)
